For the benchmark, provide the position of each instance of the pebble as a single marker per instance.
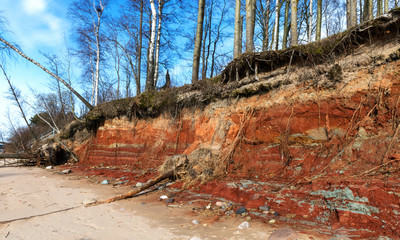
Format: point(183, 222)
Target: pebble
point(170, 200)
point(105, 182)
point(272, 221)
point(276, 214)
point(195, 222)
point(49, 167)
point(195, 238)
point(219, 204)
point(89, 201)
point(139, 184)
point(264, 208)
point(230, 212)
point(66, 171)
point(205, 225)
point(208, 206)
point(244, 225)
point(163, 197)
point(240, 211)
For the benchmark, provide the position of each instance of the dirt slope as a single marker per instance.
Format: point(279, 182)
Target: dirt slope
point(316, 143)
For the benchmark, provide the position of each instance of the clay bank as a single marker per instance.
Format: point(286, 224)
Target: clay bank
point(311, 132)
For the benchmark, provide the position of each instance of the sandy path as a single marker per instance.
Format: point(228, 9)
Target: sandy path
point(28, 192)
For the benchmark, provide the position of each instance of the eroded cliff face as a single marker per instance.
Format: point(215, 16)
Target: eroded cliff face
point(321, 148)
point(316, 156)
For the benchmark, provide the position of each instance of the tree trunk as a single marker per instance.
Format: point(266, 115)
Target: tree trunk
point(15, 96)
point(275, 38)
point(310, 23)
point(197, 43)
point(286, 25)
point(157, 58)
point(319, 20)
point(250, 24)
point(237, 46)
point(370, 9)
point(97, 36)
point(386, 8)
point(293, 27)
point(88, 105)
point(150, 60)
point(139, 57)
point(266, 26)
point(379, 7)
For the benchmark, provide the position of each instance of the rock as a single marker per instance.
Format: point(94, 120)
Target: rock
point(248, 219)
point(208, 206)
point(195, 222)
point(66, 171)
point(219, 204)
point(89, 201)
point(276, 214)
point(170, 200)
point(290, 215)
point(139, 184)
point(49, 167)
point(205, 225)
point(230, 212)
point(163, 197)
point(240, 211)
point(272, 221)
point(318, 134)
point(244, 225)
point(105, 182)
point(283, 234)
point(195, 238)
point(264, 208)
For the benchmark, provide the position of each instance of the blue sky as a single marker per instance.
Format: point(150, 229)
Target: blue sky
point(36, 26)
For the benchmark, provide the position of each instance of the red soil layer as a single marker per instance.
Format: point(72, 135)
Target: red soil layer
point(306, 157)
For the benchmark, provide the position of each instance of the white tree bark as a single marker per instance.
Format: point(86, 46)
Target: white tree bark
point(150, 61)
point(237, 46)
point(276, 31)
point(310, 22)
point(293, 24)
point(250, 23)
point(157, 57)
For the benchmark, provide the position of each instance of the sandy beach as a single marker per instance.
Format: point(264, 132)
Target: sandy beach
point(43, 204)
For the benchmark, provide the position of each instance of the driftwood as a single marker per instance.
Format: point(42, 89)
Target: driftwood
point(169, 174)
point(16, 155)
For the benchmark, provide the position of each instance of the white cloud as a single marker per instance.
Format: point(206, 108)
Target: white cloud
point(33, 7)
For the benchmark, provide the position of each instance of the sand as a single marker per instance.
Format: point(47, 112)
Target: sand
point(43, 204)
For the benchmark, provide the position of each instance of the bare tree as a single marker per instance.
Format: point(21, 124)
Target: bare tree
point(319, 20)
point(15, 95)
point(9, 45)
point(197, 44)
point(237, 46)
point(286, 25)
point(150, 60)
point(158, 41)
point(250, 24)
point(293, 25)
point(89, 16)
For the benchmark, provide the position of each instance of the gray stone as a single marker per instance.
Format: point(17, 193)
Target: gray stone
point(139, 184)
point(241, 210)
point(170, 200)
point(283, 234)
point(195, 222)
point(264, 208)
point(244, 225)
point(66, 171)
point(105, 182)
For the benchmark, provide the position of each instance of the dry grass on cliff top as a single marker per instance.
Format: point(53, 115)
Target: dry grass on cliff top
point(172, 101)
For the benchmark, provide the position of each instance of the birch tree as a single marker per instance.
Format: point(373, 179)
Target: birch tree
point(158, 41)
point(310, 22)
point(293, 24)
point(275, 38)
point(286, 26)
point(250, 24)
point(150, 59)
point(89, 16)
point(197, 43)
